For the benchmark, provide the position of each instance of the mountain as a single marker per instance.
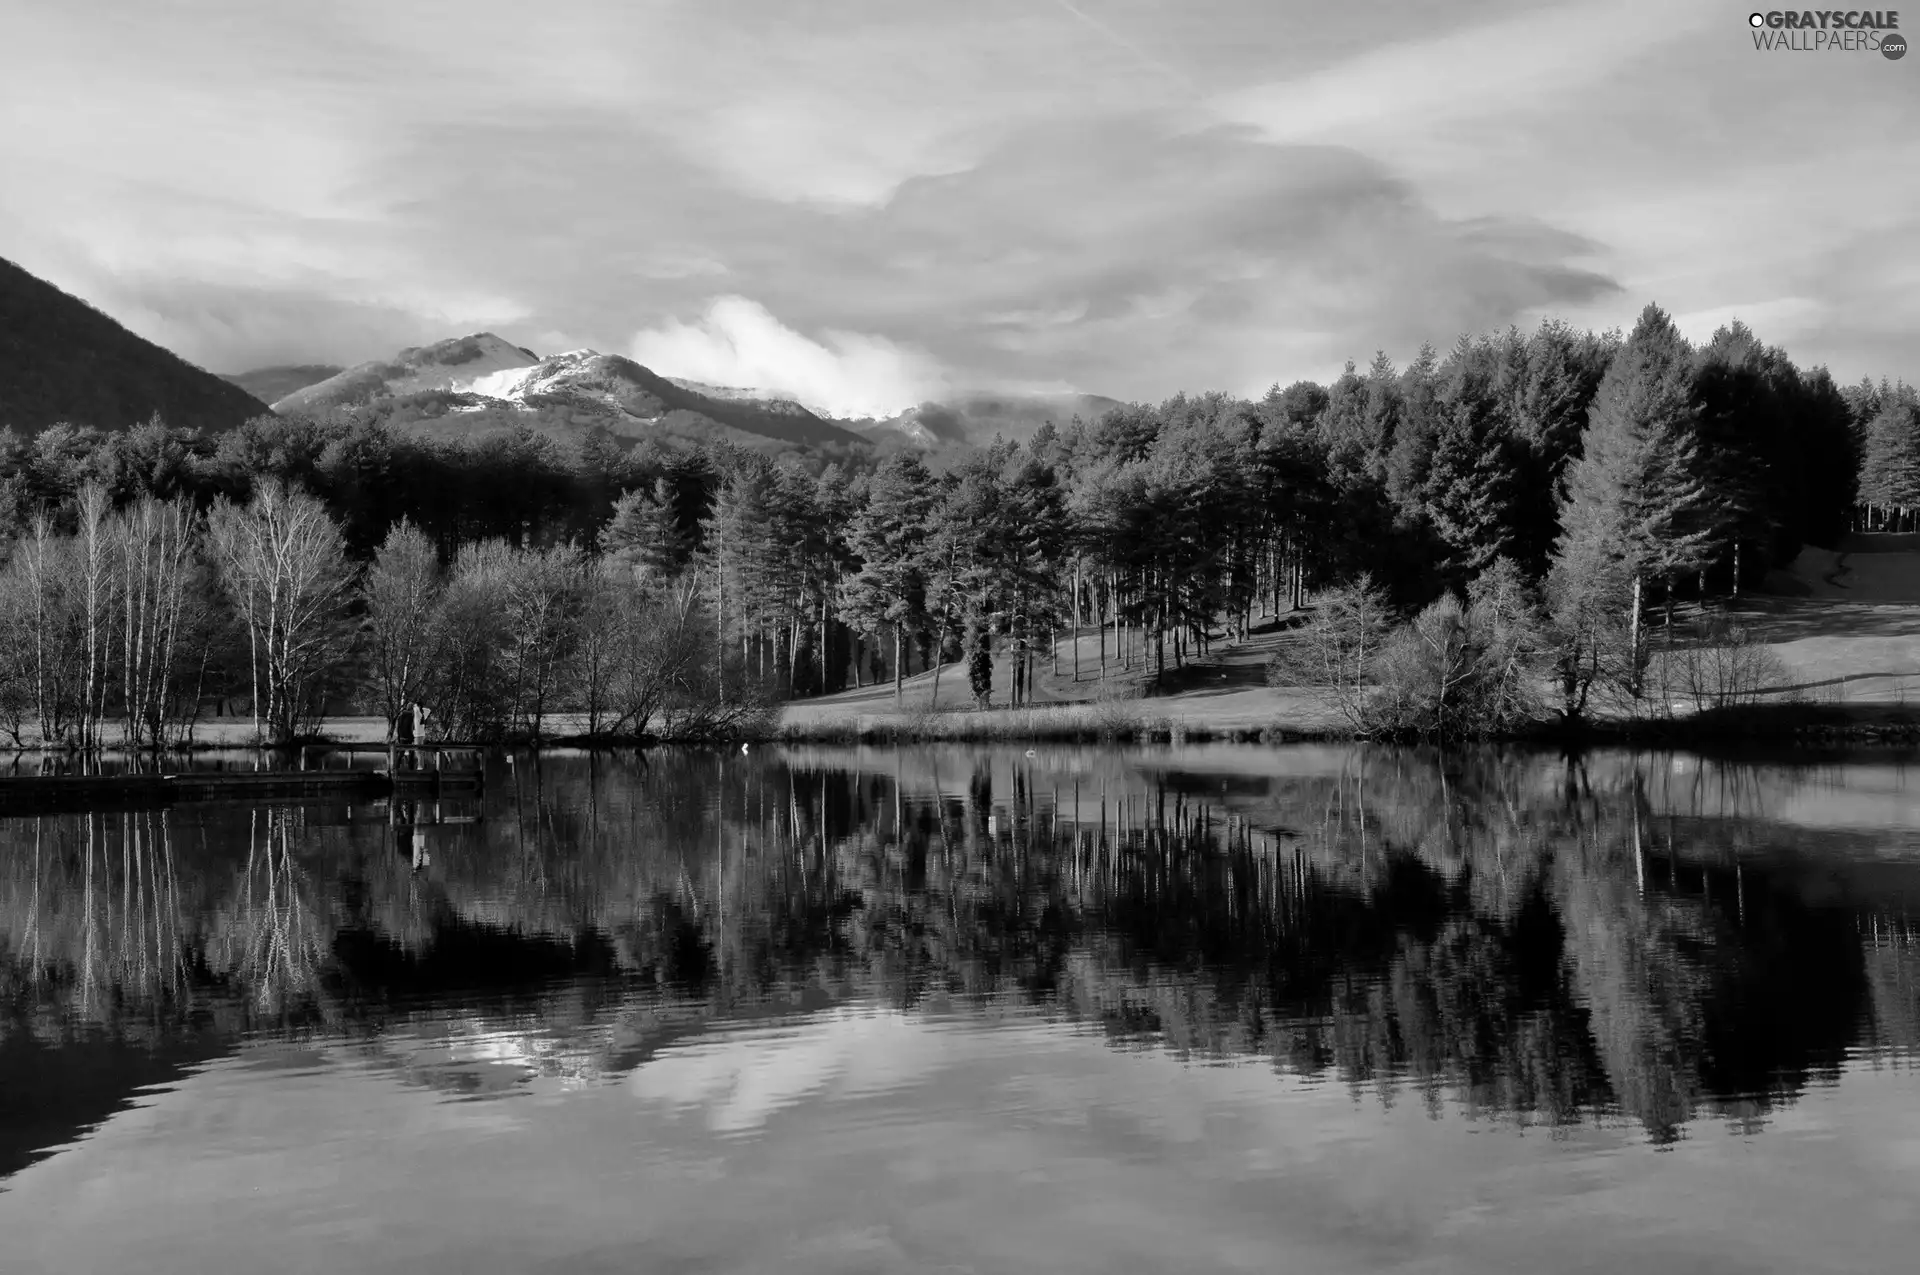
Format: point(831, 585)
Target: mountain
point(63, 360)
point(970, 419)
point(975, 419)
point(480, 382)
point(642, 393)
point(444, 365)
point(269, 384)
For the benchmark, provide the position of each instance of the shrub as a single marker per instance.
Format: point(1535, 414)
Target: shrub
point(1456, 672)
point(1720, 665)
point(1335, 651)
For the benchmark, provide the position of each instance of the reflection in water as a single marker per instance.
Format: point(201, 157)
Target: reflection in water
point(1546, 942)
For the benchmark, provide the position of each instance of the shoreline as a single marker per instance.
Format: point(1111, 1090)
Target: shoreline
point(1791, 725)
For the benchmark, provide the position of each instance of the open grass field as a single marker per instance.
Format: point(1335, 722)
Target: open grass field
point(1845, 624)
point(1224, 692)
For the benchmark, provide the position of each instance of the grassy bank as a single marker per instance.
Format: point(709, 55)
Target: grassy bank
point(1844, 626)
point(1814, 725)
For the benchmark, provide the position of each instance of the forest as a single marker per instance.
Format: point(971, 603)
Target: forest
point(1482, 532)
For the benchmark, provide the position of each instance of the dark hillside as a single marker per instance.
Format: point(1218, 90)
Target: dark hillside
point(63, 360)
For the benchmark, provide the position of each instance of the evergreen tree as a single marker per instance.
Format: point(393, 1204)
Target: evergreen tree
point(1548, 382)
point(1864, 401)
point(1300, 404)
point(1384, 407)
point(1636, 501)
point(1471, 490)
point(1343, 421)
point(1825, 463)
point(889, 537)
point(1742, 436)
point(1890, 469)
point(644, 532)
point(1412, 450)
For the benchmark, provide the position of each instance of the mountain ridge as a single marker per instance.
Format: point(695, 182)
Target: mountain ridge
point(483, 381)
point(63, 360)
point(451, 364)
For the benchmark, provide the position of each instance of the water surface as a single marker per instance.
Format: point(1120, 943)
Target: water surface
point(950, 1009)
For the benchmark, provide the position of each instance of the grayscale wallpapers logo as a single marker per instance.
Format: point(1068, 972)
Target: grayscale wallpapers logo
point(1830, 31)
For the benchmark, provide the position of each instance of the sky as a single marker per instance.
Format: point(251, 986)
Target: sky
point(873, 202)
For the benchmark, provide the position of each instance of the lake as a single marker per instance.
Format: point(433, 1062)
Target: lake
point(1316, 1009)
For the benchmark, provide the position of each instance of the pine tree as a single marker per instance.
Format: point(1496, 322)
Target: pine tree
point(1548, 382)
point(1473, 489)
point(1299, 405)
point(1636, 501)
point(1824, 464)
point(889, 536)
point(644, 532)
point(1741, 434)
point(1864, 401)
point(1421, 411)
point(1384, 408)
point(1890, 468)
point(1343, 419)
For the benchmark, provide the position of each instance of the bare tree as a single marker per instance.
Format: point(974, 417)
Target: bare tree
point(606, 621)
point(153, 543)
point(642, 644)
point(96, 604)
point(284, 564)
point(465, 687)
point(402, 591)
point(1339, 648)
point(206, 646)
point(542, 593)
point(45, 646)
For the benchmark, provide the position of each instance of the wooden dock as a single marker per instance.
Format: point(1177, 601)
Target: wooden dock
point(42, 794)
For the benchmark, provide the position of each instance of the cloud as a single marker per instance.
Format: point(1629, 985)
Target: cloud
point(739, 343)
point(1196, 258)
point(742, 1078)
point(1126, 198)
point(1776, 321)
point(248, 327)
point(1500, 68)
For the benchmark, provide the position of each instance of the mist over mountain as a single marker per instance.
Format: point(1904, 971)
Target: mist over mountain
point(269, 384)
point(976, 419)
point(968, 419)
point(63, 360)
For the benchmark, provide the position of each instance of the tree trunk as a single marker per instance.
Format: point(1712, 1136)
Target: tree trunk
point(1102, 615)
point(1633, 638)
point(821, 656)
point(1736, 568)
point(899, 649)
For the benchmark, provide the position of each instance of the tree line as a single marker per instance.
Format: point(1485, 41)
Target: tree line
point(1563, 481)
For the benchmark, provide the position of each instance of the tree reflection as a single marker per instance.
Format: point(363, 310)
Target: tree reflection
point(1532, 938)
